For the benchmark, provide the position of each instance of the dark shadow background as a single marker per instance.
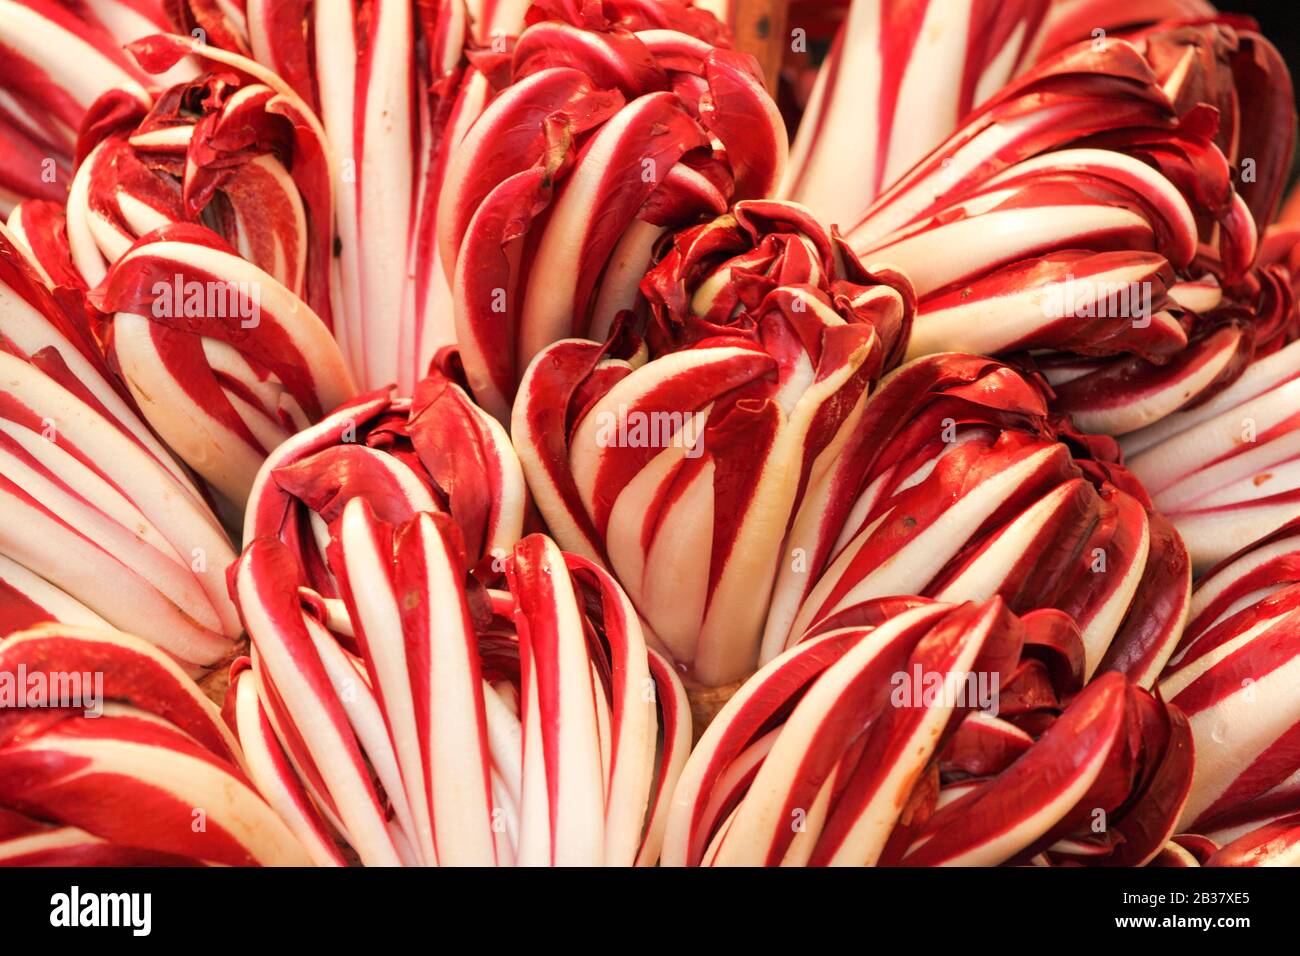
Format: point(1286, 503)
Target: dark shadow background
point(1279, 21)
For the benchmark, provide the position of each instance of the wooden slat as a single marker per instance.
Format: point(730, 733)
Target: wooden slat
point(760, 28)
